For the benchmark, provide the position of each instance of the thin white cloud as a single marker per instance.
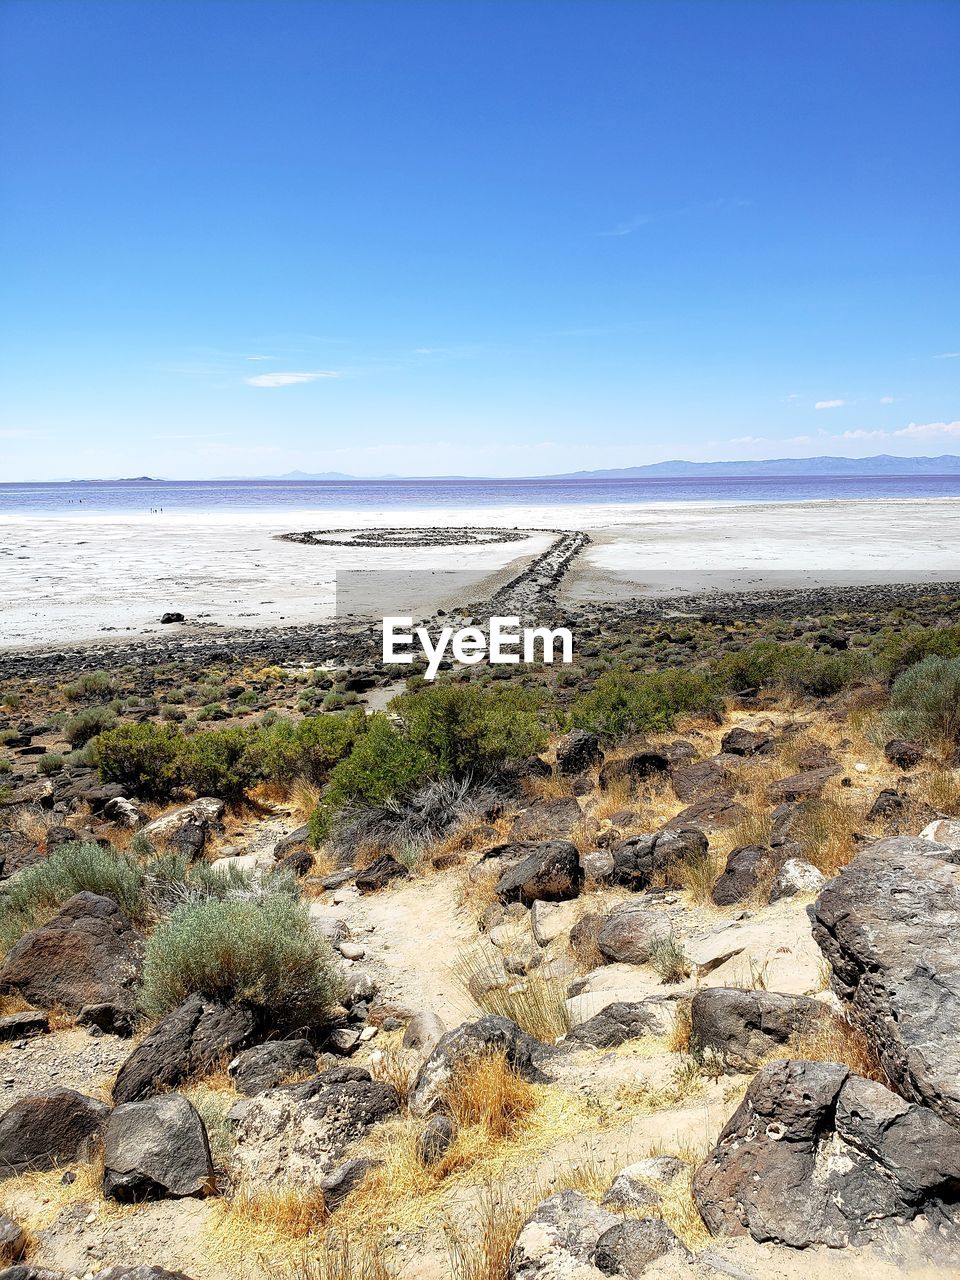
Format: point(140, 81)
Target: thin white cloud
point(948, 355)
point(259, 357)
point(627, 228)
point(928, 430)
point(829, 404)
point(288, 379)
point(886, 399)
point(21, 433)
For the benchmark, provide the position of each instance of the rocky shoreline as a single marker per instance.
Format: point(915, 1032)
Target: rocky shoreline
point(359, 644)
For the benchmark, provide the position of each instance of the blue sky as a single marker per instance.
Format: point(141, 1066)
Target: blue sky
point(516, 237)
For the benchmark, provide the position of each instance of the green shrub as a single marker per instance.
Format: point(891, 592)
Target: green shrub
point(626, 702)
point(141, 757)
point(899, 650)
point(925, 702)
point(795, 667)
point(86, 724)
point(40, 889)
point(465, 729)
point(263, 954)
point(218, 763)
point(94, 684)
point(309, 748)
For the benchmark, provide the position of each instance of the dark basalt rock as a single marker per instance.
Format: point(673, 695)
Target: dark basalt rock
point(49, 1128)
point(550, 872)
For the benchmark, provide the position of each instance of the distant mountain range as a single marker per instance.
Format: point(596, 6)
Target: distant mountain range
point(883, 464)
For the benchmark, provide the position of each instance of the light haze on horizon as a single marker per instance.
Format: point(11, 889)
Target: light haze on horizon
point(244, 237)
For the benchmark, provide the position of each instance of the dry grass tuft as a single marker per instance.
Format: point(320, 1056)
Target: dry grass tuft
point(395, 1066)
point(482, 1251)
point(682, 1029)
point(941, 790)
point(835, 1041)
point(291, 1211)
point(825, 831)
point(536, 1003)
point(488, 1093)
point(344, 1259)
point(677, 1206)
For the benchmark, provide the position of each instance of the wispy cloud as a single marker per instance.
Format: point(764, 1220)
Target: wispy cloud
point(829, 404)
point(948, 355)
point(886, 399)
point(21, 433)
point(288, 379)
point(627, 228)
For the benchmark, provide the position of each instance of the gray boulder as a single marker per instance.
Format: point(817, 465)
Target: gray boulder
point(802, 786)
point(617, 1023)
point(796, 878)
point(559, 1239)
point(156, 1149)
point(815, 1155)
point(888, 924)
point(641, 860)
point(300, 1133)
point(741, 1028)
point(87, 953)
point(628, 1248)
point(630, 933)
point(578, 751)
point(192, 1038)
point(186, 829)
point(49, 1128)
point(266, 1065)
point(549, 872)
point(489, 1034)
point(20, 1026)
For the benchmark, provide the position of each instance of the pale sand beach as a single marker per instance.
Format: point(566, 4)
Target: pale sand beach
point(67, 579)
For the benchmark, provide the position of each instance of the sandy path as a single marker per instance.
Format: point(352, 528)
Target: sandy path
point(412, 934)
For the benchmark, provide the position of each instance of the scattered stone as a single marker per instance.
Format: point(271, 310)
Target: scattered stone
point(742, 875)
point(741, 1028)
point(13, 1241)
point(549, 872)
point(437, 1138)
point(944, 831)
point(192, 1038)
point(20, 1026)
point(630, 933)
point(698, 781)
point(49, 1128)
point(379, 873)
point(87, 953)
point(299, 1133)
point(125, 813)
point(617, 1023)
point(802, 786)
point(156, 1149)
point(640, 860)
point(559, 1238)
point(171, 616)
point(578, 751)
point(344, 1179)
point(744, 742)
point(795, 878)
point(266, 1065)
point(905, 755)
point(713, 814)
point(186, 829)
point(423, 1033)
point(629, 1247)
point(547, 819)
point(455, 1049)
point(351, 950)
point(112, 1019)
point(634, 768)
point(548, 920)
